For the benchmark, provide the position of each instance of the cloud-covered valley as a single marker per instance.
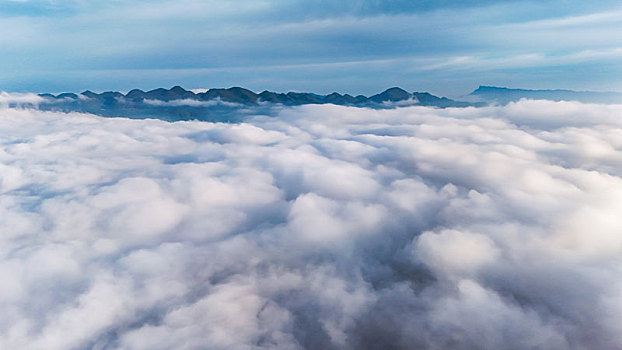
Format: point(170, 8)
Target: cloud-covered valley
point(325, 227)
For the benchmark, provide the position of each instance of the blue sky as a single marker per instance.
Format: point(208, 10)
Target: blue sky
point(446, 47)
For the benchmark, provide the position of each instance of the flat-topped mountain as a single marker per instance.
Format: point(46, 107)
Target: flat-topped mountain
point(503, 95)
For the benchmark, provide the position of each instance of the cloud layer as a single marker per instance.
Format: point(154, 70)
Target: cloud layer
point(326, 227)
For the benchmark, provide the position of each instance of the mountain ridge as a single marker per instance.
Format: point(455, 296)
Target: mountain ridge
point(504, 95)
point(245, 96)
point(236, 103)
point(224, 104)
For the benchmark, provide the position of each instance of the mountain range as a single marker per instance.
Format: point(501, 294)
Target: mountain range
point(231, 104)
point(503, 95)
point(236, 103)
point(244, 96)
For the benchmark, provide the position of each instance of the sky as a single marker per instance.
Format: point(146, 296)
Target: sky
point(316, 226)
point(446, 47)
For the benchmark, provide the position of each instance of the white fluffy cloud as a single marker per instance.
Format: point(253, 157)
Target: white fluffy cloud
point(18, 99)
point(325, 227)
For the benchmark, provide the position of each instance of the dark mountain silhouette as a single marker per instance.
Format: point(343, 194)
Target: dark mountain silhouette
point(427, 99)
point(68, 95)
point(220, 104)
point(393, 94)
point(336, 98)
point(233, 95)
point(89, 94)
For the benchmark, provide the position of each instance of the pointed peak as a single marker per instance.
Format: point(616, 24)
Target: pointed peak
point(395, 89)
point(88, 93)
point(177, 88)
point(392, 94)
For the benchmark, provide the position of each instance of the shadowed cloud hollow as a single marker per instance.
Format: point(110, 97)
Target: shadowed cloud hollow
point(325, 227)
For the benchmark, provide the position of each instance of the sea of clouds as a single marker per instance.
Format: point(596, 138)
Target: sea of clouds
point(324, 227)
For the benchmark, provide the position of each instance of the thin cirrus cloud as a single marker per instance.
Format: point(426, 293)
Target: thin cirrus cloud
point(328, 227)
point(53, 46)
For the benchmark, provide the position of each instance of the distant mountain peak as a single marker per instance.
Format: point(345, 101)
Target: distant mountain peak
point(178, 89)
point(484, 88)
point(89, 93)
point(393, 94)
point(395, 90)
point(494, 94)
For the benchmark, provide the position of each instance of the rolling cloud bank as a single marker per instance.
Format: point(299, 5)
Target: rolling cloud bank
point(325, 227)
